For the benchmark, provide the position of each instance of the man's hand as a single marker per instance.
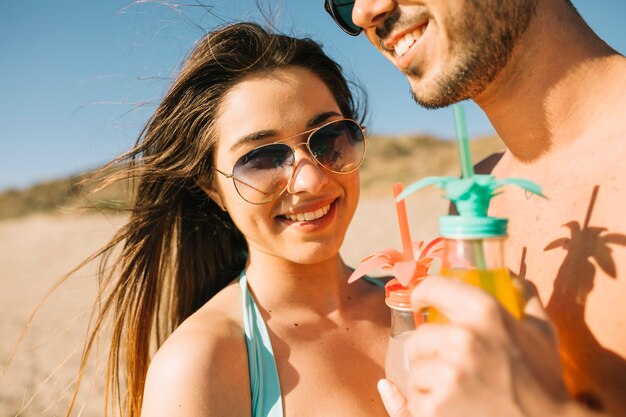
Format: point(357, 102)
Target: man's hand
point(484, 362)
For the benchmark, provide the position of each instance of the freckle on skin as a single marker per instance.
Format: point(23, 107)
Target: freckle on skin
point(295, 324)
point(347, 328)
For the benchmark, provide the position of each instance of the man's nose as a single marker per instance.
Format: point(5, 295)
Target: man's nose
point(370, 13)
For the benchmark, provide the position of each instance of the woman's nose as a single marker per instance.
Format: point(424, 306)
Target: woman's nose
point(370, 13)
point(308, 175)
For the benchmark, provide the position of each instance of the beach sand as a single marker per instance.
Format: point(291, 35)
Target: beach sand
point(35, 251)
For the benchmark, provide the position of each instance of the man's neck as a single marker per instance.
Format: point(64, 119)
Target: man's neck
point(545, 97)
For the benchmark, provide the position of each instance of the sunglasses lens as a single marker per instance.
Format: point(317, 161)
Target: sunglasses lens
point(342, 13)
point(339, 146)
point(263, 173)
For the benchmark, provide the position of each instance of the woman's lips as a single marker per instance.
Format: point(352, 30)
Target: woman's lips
point(311, 219)
point(309, 215)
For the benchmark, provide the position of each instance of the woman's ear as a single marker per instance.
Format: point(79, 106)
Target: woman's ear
point(213, 195)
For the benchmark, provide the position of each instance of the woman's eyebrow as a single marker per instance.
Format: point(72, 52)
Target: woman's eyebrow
point(253, 137)
point(268, 133)
point(322, 117)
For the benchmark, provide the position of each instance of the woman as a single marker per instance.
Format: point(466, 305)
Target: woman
point(247, 179)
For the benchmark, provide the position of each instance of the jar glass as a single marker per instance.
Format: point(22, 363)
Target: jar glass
point(403, 323)
point(480, 262)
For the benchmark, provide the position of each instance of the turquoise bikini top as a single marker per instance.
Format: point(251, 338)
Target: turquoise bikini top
point(264, 382)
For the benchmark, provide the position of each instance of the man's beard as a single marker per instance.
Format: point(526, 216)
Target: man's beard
point(482, 45)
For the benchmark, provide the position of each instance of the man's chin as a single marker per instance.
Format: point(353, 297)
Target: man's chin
point(434, 95)
point(431, 102)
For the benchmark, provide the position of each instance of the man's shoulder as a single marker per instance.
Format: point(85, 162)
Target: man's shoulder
point(487, 165)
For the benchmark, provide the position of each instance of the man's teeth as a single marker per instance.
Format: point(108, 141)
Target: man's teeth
point(406, 41)
point(308, 216)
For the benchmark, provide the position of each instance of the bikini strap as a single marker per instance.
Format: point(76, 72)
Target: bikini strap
point(374, 281)
point(264, 382)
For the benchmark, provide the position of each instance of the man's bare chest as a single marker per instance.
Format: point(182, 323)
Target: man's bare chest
point(573, 247)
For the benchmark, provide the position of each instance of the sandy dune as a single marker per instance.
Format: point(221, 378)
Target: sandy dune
point(37, 250)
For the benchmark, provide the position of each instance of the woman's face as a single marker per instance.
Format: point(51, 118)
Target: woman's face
point(271, 106)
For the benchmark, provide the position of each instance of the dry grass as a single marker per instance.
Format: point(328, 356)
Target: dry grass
point(407, 159)
point(398, 159)
point(73, 194)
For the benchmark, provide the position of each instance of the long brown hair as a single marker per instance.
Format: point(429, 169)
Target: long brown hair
point(179, 248)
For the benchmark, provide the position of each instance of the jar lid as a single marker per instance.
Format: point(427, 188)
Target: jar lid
point(472, 227)
point(397, 296)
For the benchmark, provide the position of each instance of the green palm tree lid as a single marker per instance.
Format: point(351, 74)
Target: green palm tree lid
point(471, 194)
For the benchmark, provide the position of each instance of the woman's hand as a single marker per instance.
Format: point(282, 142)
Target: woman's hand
point(393, 400)
point(484, 362)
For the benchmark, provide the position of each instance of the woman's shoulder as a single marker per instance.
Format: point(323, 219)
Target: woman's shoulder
point(216, 326)
point(202, 366)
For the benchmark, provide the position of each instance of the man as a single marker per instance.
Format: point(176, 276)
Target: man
point(554, 92)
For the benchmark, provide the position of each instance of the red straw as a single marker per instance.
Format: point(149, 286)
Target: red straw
point(403, 221)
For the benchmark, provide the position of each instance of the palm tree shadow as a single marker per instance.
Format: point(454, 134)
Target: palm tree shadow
point(522, 265)
point(598, 372)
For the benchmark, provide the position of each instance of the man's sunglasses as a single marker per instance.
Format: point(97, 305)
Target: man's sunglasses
point(264, 173)
point(341, 12)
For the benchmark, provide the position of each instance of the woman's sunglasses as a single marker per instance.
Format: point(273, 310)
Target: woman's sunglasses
point(341, 12)
point(264, 173)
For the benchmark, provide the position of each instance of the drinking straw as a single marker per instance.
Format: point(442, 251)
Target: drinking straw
point(465, 157)
point(403, 221)
point(467, 170)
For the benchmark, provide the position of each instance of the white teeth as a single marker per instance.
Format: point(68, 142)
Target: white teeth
point(406, 41)
point(309, 215)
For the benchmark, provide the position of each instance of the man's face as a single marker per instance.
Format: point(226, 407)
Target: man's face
point(449, 50)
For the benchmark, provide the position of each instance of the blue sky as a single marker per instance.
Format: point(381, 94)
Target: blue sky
point(81, 77)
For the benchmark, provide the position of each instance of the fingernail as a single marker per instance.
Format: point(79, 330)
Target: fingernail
point(393, 400)
point(384, 388)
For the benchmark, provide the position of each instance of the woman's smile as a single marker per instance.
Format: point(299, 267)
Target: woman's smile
point(309, 219)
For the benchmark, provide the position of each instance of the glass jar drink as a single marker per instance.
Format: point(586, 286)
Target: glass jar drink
point(474, 253)
point(473, 240)
point(403, 323)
